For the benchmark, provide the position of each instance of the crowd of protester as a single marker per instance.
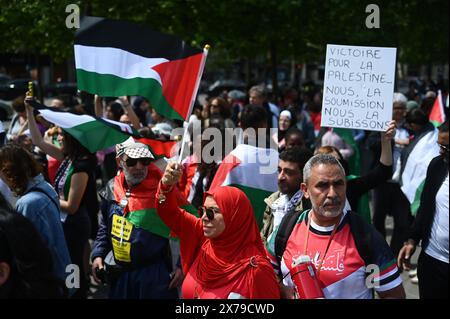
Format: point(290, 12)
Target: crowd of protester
point(70, 202)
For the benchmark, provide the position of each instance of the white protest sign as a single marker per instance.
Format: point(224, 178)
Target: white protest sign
point(358, 87)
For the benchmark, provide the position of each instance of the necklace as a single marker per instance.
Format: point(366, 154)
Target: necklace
point(328, 244)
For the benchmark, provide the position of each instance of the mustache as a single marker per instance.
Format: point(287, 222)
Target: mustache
point(333, 201)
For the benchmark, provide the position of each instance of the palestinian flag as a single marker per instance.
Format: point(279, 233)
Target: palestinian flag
point(93, 133)
point(417, 157)
point(437, 115)
point(116, 58)
point(254, 171)
point(159, 148)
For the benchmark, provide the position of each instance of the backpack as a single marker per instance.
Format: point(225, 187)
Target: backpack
point(361, 231)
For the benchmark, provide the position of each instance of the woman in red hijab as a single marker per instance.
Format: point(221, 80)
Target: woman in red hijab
point(222, 252)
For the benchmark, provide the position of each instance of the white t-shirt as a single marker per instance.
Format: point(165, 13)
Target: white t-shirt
point(438, 243)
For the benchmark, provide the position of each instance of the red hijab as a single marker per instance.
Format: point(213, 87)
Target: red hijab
point(238, 253)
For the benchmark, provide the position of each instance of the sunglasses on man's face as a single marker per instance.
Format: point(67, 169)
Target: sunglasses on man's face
point(130, 162)
point(209, 211)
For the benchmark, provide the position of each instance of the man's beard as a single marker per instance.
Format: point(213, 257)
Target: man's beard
point(328, 213)
point(136, 179)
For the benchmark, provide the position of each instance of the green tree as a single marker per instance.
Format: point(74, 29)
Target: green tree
point(271, 30)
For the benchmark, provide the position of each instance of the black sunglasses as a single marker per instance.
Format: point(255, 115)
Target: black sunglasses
point(209, 211)
point(133, 161)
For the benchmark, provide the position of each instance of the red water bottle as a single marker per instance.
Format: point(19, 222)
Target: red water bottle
point(303, 274)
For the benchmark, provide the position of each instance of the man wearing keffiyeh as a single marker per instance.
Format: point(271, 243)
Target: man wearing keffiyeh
point(131, 232)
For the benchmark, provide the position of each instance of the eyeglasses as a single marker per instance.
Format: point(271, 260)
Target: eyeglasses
point(209, 211)
point(145, 161)
point(443, 147)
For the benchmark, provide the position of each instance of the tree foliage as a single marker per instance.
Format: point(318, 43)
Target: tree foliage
point(242, 28)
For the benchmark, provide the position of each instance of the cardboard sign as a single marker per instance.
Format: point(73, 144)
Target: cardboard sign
point(358, 87)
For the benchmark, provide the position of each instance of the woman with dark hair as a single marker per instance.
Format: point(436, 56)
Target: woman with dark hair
point(26, 268)
point(19, 120)
point(198, 174)
point(75, 185)
point(220, 107)
point(37, 201)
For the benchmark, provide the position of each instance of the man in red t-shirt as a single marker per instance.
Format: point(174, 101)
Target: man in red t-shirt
point(328, 235)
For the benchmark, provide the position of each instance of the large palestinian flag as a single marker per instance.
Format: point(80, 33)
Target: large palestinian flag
point(116, 58)
point(254, 171)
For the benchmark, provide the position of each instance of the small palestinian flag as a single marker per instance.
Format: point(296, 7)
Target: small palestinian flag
point(254, 171)
point(437, 114)
point(93, 133)
point(116, 58)
point(160, 148)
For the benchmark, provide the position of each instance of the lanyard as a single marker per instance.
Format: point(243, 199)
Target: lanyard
point(328, 244)
point(123, 203)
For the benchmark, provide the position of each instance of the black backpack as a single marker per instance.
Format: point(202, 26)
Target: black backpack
point(361, 231)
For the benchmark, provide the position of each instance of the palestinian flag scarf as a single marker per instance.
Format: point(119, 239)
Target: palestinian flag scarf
point(140, 209)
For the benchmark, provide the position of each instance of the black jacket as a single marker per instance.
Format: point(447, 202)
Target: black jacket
point(436, 173)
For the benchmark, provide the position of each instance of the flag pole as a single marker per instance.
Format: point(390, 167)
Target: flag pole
point(194, 94)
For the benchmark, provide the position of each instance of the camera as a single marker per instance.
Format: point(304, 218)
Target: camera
point(100, 273)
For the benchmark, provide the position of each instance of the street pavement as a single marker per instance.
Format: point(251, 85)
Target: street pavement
point(411, 289)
